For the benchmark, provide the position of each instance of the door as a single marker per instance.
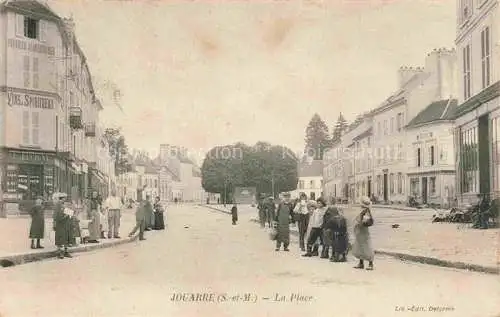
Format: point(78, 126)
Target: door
point(386, 192)
point(424, 190)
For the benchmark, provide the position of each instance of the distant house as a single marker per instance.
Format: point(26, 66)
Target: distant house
point(310, 179)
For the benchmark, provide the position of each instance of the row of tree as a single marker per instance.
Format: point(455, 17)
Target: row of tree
point(271, 169)
point(318, 138)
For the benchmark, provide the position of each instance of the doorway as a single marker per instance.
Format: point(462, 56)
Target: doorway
point(313, 196)
point(386, 192)
point(424, 190)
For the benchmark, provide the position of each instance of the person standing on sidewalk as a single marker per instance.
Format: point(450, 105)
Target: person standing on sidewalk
point(362, 248)
point(113, 206)
point(37, 228)
point(62, 225)
point(284, 216)
point(234, 214)
point(140, 221)
point(262, 211)
point(159, 223)
point(316, 223)
point(302, 215)
point(95, 219)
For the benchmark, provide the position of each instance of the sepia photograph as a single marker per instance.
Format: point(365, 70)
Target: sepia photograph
point(283, 158)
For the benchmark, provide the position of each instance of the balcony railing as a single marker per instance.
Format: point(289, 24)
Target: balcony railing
point(90, 130)
point(75, 118)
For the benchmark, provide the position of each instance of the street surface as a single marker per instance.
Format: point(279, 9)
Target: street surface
point(201, 252)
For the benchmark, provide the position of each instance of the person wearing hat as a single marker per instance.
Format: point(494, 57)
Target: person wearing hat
point(284, 216)
point(262, 211)
point(62, 225)
point(148, 213)
point(362, 247)
point(37, 228)
point(316, 223)
point(302, 215)
point(140, 220)
point(270, 210)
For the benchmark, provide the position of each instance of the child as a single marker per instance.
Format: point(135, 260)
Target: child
point(234, 214)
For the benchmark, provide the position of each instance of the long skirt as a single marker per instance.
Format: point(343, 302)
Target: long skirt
point(159, 223)
point(283, 233)
point(362, 247)
point(37, 228)
point(95, 225)
point(340, 242)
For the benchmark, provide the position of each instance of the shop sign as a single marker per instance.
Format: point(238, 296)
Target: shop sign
point(29, 156)
point(30, 101)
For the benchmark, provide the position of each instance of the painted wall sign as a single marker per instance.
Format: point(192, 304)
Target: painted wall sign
point(32, 47)
point(30, 101)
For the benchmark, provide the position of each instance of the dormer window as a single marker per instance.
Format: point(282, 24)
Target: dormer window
point(31, 27)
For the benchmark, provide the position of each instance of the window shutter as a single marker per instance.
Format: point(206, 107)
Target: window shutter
point(26, 73)
point(35, 121)
point(26, 127)
point(35, 73)
point(43, 31)
point(19, 25)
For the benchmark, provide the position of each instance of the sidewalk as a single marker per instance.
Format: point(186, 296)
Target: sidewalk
point(15, 246)
point(419, 240)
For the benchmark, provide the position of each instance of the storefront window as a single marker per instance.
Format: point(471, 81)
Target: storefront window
point(414, 186)
point(469, 161)
point(495, 150)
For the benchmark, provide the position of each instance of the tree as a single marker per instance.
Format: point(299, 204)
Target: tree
point(340, 127)
point(118, 149)
point(261, 166)
point(317, 137)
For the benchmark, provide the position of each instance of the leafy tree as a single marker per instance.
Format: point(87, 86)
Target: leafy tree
point(118, 149)
point(262, 166)
point(317, 137)
point(340, 126)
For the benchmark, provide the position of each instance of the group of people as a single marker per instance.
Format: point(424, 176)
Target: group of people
point(68, 222)
point(319, 225)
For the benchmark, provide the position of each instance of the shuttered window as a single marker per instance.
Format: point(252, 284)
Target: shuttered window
point(26, 127)
point(26, 71)
point(35, 125)
point(35, 73)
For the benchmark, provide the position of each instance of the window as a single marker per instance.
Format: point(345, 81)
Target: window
point(311, 184)
point(35, 132)
point(385, 127)
point(485, 57)
point(391, 183)
point(400, 183)
point(399, 121)
point(26, 73)
point(418, 157)
point(156, 183)
point(301, 184)
point(467, 71)
point(26, 127)
point(465, 10)
point(432, 185)
point(431, 155)
point(469, 161)
point(31, 28)
point(415, 186)
point(392, 125)
point(400, 151)
point(379, 128)
point(35, 73)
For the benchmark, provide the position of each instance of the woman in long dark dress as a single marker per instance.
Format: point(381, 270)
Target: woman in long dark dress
point(37, 228)
point(159, 223)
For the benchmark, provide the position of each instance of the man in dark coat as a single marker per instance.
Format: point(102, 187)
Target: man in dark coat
point(262, 211)
point(62, 226)
point(337, 226)
point(140, 221)
point(37, 228)
point(270, 210)
point(234, 214)
point(284, 216)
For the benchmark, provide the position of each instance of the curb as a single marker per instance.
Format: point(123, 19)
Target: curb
point(428, 260)
point(215, 208)
point(19, 259)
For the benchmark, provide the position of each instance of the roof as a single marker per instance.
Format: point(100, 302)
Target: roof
point(485, 95)
point(442, 110)
point(311, 168)
point(31, 6)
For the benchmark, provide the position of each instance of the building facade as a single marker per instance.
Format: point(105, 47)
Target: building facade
point(333, 172)
point(48, 107)
point(310, 180)
point(477, 119)
point(431, 160)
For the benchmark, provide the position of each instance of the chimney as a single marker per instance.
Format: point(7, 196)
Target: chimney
point(442, 65)
point(405, 73)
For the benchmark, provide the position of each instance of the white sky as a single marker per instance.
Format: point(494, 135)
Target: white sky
point(205, 73)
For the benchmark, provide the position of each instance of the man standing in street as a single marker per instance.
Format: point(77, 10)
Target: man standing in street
point(113, 205)
point(284, 216)
point(140, 221)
